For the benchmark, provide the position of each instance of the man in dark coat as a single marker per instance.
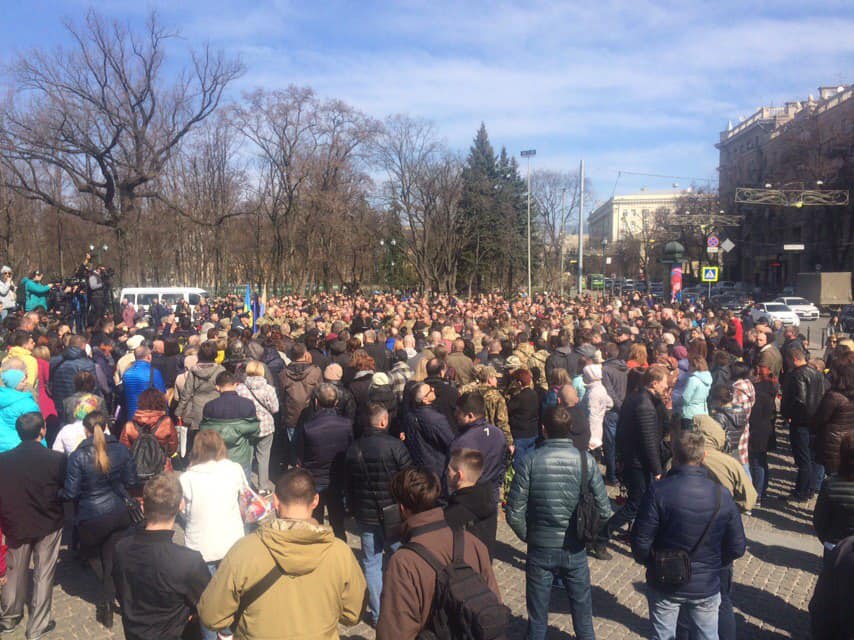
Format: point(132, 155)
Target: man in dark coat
point(31, 517)
point(471, 504)
point(446, 393)
point(803, 388)
point(476, 433)
point(372, 462)
point(615, 379)
point(378, 351)
point(158, 582)
point(640, 431)
point(64, 367)
point(691, 512)
point(321, 448)
point(428, 433)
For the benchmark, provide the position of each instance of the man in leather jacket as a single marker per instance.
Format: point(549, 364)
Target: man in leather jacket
point(803, 388)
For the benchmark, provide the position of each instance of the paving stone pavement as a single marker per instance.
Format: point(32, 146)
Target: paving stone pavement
point(773, 582)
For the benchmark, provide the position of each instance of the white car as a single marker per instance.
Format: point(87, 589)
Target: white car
point(770, 311)
point(803, 308)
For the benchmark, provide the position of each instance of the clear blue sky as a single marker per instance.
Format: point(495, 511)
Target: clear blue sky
point(626, 84)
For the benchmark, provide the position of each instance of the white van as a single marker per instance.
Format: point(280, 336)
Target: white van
point(143, 297)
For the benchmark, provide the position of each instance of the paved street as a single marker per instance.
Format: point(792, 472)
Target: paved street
point(774, 581)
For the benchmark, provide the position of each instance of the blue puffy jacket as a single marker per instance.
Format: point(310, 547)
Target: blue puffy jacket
point(99, 493)
point(138, 378)
point(672, 516)
point(63, 368)
point(13, 403)
point(428, 437)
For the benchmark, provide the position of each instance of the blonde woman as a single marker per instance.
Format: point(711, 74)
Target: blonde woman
point(99, 473)
point(263, 395)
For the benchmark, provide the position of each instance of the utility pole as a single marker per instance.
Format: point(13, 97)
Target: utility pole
point(562, 232)
point(528, 153)
point(581, 229)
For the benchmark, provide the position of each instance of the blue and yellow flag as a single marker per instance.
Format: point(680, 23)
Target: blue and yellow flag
point(247, 306)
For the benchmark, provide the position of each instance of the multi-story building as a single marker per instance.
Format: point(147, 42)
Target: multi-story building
point(797, 147)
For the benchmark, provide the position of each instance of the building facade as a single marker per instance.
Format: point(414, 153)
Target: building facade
point(798, 148)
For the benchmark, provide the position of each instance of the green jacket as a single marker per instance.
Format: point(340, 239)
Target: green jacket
point(238, 435)
point(545, 493)
point(36, 294)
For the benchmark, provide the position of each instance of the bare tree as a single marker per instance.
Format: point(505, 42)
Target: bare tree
point(556, 197)
point(104, 116)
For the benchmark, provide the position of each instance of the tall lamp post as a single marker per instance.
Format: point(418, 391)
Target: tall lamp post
point(529, 153)
point(604, 247)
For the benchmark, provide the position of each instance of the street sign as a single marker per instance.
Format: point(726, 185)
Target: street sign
point(727, 245)
point(710, 274)
point(713, 241)
point(793, 247)
point(711, 250)
point(608, 260)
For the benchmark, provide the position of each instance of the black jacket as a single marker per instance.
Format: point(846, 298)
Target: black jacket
point(230, 406)
point(762, 416)
point(322, 444)
point(158, 584)
point(640, 431)
point(475, 510)
point(523, 411)
point(31, 477)
point(834, 511)
point(428, 438)
point(615, 375)
point(63, 368)
point(673, 514)
point(167, 366)
point(831, 613)
point(562, 358)
point(446, 398)
point(786, 351)
point(381, 356)
point(369, 485)
point(98, 493)
point(803, 389)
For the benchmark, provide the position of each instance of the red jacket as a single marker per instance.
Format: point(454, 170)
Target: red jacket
point(46, 404)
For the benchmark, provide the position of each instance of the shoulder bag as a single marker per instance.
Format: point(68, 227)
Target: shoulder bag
point(672, 568)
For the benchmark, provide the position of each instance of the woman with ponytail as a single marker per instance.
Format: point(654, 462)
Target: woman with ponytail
point(99, 473)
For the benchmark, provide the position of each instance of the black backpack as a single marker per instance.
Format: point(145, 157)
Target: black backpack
point(464, 607)
point(147, 453)
point(587, 520)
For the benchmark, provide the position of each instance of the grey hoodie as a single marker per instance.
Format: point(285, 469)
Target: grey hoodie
point(615, 378)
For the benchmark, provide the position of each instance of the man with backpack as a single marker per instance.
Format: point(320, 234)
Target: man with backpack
point(558, 504)
point(440, 583)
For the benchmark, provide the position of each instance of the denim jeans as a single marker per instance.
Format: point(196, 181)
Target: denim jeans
point(664, 612)
point(524, 446)
point(799, 439)
point(542, 567)
point(726, 614)
point(637, 481)
point(373, 548)
point(818, 474)
point(609, 438)
point(759, 473)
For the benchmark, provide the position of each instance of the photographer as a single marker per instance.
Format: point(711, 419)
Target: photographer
point(7, 293)
point(97, 283)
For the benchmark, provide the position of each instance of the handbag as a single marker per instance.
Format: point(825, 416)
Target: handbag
point(253, 507)
point(389, 516)
point(587, 519)
point(672, 567)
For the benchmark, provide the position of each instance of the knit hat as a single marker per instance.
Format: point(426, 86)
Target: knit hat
point(85, 406)
point(12, 378)
point(680, 352)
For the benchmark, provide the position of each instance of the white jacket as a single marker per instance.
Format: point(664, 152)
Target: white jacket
point(211, 490)
point(598, 403)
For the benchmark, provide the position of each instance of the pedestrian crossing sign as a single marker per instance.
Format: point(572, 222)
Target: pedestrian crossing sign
point(710, 274)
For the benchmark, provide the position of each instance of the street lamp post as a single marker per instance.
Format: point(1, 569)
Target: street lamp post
point(562, 232)
point(529, 153)
point(604, 246)
point(581, 228)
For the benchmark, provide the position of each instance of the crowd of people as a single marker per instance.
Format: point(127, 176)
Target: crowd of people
point(425, 419)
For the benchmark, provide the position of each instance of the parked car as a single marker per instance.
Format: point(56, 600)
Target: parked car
point(804, 309)
point(770, 311)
